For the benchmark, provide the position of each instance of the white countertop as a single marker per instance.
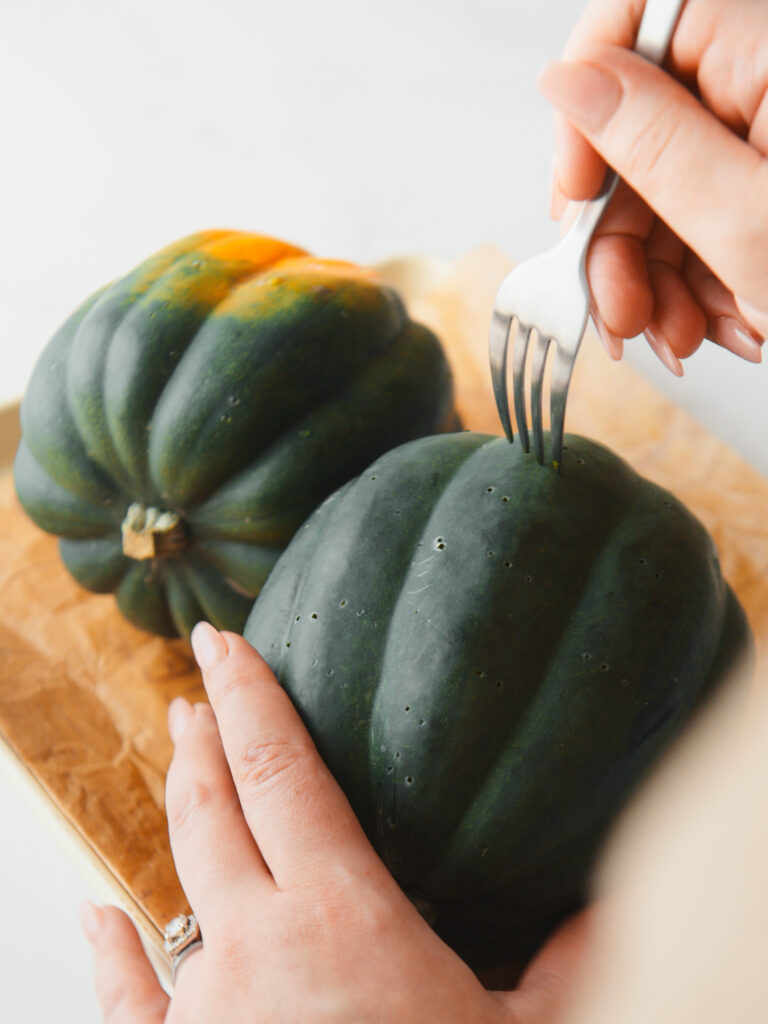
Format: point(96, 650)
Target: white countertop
point(356, 131)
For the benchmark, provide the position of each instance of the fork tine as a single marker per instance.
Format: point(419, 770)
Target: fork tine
point(537, 381)
point(497, 345)
point(518, 382)
point(561, 378)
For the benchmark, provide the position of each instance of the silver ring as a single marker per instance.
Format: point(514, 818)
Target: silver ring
point(182, 936)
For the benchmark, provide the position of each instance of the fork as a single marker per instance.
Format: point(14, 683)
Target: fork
point(549, 293)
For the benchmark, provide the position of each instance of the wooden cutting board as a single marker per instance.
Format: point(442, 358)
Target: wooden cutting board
point(84, 695)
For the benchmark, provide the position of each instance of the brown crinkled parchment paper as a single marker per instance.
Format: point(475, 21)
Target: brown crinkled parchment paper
point(84, 695)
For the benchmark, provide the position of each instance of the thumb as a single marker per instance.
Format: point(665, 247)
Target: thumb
point(126, 986)
point(549, 980)
point(706, 183)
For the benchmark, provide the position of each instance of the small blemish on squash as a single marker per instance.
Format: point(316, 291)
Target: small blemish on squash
point(422, 722)
point(605, 666)
point(233, 400)
point(397, 755)
point(499, 685)
point(407, 707)
point(342, 603)
point(439, 544)
point(490, 554)
point(409, 780)
point(507, 565)
point(659, 575)
point(480, 674)
point(390, 769)
point(643, 561)
point(287, 643)
point(580, 461)
point(505, 498)
point(490, 490)
point(391, 822)
point(313, 615)
point(529, 579)
point(586, 657)
point(397, 511)
point(330, 672)
point(360, 612)
point(373, 478)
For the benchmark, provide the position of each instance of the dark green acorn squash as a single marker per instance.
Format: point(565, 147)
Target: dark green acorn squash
point(186, 419)
point(488, 655)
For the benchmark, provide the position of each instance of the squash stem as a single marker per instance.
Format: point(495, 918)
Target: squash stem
point(152, 533)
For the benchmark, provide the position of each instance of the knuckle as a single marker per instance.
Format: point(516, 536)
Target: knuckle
point(647, 149)
point(184, 804)
point(268, 763)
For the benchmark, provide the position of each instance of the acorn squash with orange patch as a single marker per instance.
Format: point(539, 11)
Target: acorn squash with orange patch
point(187, 418)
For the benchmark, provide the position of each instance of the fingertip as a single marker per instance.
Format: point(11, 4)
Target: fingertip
point(91, 920)
point(209, 646)
point(558, 201)
point(580, 169)
point(180, 714)
point(661, 346)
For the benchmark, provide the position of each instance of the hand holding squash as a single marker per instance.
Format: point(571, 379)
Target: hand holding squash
point(301, 921)
point(681, 252)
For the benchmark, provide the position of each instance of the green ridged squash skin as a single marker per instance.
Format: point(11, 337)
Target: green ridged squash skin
point(489, 655)
point(230, 379)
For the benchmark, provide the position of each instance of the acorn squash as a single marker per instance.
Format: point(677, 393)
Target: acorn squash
point(186, 419)
point(489, 655)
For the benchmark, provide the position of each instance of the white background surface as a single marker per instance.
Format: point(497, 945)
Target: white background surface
point(358, 131)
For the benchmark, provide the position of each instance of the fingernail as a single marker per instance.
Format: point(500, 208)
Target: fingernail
point(613, 344)
point(756, 318)
point(180, 714)
point(208, 645)
point(731, 335)
point(587, 95)
point(660, 345)
point(91, 920)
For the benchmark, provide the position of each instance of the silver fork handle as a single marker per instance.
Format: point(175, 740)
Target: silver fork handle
point(653, 36)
